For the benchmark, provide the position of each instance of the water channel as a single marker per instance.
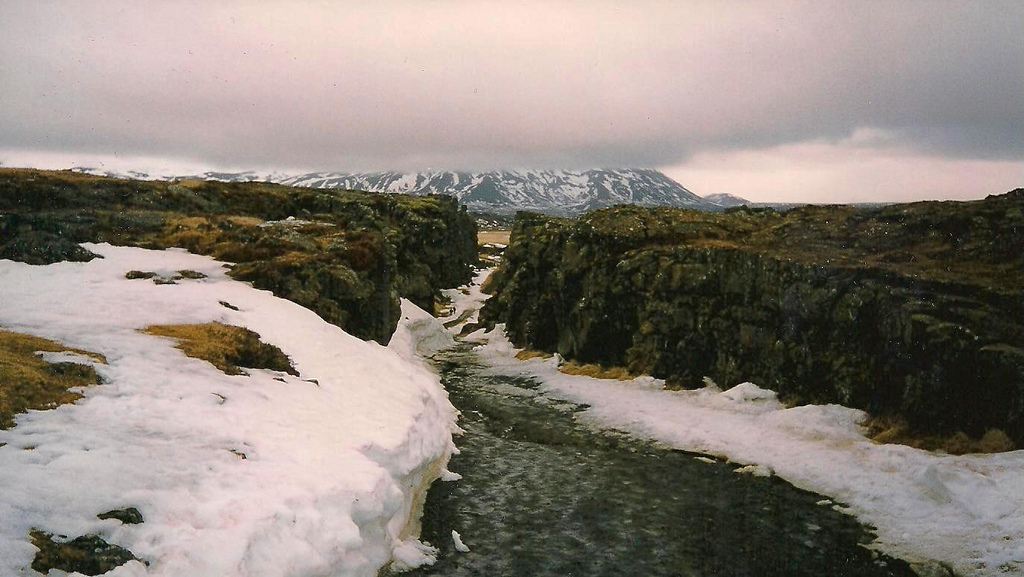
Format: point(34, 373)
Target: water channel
point(544, 495)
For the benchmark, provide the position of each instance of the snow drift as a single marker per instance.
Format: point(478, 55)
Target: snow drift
point(265, 474)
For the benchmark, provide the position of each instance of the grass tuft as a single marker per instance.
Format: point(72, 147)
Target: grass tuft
point(596, 371)
point(226, 347)
point(27, 382)
point(527, 354)
point(894, 430)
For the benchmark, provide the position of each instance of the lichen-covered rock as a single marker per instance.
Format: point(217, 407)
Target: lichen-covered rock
point(911, 310)
point(347, 255)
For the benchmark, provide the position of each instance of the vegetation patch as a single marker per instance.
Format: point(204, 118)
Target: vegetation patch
point(42, 248)
point(88, 555)
point(226, 347)
point(596, 371)
point(527, 354)
point(895, 430)
point(493, 237)
point(27, 382)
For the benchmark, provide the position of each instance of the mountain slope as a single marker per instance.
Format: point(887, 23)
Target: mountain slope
point(726, 200)
point(506, 191)
point(558, 191)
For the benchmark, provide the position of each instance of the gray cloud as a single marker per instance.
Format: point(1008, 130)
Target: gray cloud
point(489, 85)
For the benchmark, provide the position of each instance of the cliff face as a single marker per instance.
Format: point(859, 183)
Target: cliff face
point(346, 255)
point(912, 310)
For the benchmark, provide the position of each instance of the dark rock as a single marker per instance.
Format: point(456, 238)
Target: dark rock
point(138, 274)
point(41, 248)
point(189, 274)
point(89, 555)
point(129, 516)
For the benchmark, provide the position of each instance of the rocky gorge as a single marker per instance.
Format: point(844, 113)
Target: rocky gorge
point(910, 312)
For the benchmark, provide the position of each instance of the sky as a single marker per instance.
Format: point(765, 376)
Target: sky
point(774, 101)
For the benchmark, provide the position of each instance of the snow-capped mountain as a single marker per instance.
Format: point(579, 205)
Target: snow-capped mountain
point(726, 200)
point(559, 191)
point(503, 192)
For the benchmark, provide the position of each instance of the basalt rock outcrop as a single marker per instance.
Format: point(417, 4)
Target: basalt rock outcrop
point(914, 311)
point(347, 255)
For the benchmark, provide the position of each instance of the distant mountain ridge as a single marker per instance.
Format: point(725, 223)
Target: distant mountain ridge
point(727, 200)
point(565, 192)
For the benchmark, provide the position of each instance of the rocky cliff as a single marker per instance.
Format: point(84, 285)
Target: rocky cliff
point(914, 311)
point(346, 255)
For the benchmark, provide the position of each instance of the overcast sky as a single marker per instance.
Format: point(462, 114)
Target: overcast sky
point(843, 101)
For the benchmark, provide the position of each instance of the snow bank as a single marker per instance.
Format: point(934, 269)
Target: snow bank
point(336, 461)
point(967, 511)
point(419, 334)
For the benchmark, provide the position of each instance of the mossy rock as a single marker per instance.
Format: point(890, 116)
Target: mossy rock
point(88, 555)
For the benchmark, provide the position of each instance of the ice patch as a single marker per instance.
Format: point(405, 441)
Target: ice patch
point(748, 392)
point(419, 334)
point(448, 476)
point(412, 554)
point(457, 540)
point(756, 470)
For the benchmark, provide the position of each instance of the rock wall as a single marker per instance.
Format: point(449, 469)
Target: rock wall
point(914, 311)
point(347, 255)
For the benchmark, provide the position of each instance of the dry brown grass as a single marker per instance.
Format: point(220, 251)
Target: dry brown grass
point(596, 371)
point(493, 237)
point(27, 382)
point(527, 354)
point(226, 347)
point(244, 221)
point(894, 430)
point(490, 283)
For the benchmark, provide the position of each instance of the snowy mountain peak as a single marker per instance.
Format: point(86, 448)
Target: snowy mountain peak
point(553, 191)
point(500, 191)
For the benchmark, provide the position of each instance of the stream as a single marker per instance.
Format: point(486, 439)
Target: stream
point(544, 495)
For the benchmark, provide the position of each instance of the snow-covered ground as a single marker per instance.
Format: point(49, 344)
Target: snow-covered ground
point(336, 461)
point(966, 512)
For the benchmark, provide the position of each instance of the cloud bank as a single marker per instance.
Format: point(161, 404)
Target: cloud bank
point(480, 85)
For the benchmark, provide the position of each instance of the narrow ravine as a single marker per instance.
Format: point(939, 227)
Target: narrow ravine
point(542, 494)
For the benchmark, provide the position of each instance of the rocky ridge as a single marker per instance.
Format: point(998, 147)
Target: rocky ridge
point(346, 255)
point(907, 311)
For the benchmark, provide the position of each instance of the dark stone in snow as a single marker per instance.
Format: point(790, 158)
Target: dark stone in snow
point(129, 516)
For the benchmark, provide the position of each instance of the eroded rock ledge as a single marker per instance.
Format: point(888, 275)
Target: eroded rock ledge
point(914, 311)
point(347, 255)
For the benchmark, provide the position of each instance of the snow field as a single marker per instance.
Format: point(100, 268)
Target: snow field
point(259, 475)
